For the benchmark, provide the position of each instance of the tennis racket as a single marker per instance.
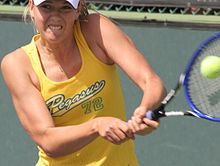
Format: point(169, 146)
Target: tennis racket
point(202, 94)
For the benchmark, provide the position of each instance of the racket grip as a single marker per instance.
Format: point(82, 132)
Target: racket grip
point(152, 115)
point(149, 115)
point(156, 114)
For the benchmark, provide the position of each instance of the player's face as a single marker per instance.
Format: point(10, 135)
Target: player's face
point(54, 19)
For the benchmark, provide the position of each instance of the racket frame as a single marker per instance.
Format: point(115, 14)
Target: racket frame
point(187, 71)
point(183, 81)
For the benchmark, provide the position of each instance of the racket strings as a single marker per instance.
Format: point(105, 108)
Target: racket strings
point(204, 92)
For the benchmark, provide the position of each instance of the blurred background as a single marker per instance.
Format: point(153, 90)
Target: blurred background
point(166, 32)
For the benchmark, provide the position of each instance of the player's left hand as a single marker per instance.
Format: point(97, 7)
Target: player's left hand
point(141, 125)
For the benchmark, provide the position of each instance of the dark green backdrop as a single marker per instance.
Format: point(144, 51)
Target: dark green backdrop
point(177, 142)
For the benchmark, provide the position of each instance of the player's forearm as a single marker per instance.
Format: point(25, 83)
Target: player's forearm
point(154, 93)
point(60, 141)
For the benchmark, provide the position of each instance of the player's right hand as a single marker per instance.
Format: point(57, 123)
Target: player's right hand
point(114, 130)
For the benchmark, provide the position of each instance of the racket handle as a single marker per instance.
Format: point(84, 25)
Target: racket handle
point(156, 114)
point(151, 115)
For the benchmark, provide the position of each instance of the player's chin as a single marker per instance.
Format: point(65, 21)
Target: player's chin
point(54, 35)
point(54, 38)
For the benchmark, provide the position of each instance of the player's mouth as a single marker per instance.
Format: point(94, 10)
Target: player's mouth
point(55, 27)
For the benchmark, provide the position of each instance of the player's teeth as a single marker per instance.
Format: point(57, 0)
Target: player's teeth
point(55, 27)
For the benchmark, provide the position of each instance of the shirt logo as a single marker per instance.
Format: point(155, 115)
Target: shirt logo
point(58, 105)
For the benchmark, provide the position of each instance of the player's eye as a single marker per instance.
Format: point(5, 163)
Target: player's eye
point(66, 7)
point(45, 6)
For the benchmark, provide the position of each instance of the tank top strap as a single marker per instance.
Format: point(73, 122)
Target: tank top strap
point(31, 51)
point(80, 40)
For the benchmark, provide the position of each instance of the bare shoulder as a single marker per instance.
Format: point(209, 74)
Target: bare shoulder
point(16, 66)
point(97, 23)
point(92, 29)
point(12, 59)
point(100, 28)
point(99, 18)
point(16, 61)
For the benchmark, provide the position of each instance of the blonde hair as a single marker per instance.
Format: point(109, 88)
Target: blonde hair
point(83, 13)
point(25, 14)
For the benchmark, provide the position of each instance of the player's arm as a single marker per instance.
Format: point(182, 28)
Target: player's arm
point(123, 52)
point(37, 121)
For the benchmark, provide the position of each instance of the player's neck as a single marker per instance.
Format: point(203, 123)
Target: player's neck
point(56, 49)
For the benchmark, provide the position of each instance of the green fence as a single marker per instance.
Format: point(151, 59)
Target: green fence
point(149, 13)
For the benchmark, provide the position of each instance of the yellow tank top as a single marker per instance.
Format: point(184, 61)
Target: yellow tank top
point(95, 91)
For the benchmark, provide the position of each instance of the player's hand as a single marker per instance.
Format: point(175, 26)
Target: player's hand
point(141, 125)
point(114, 130)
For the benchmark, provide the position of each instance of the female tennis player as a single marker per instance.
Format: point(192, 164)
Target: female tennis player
point(66, 89)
